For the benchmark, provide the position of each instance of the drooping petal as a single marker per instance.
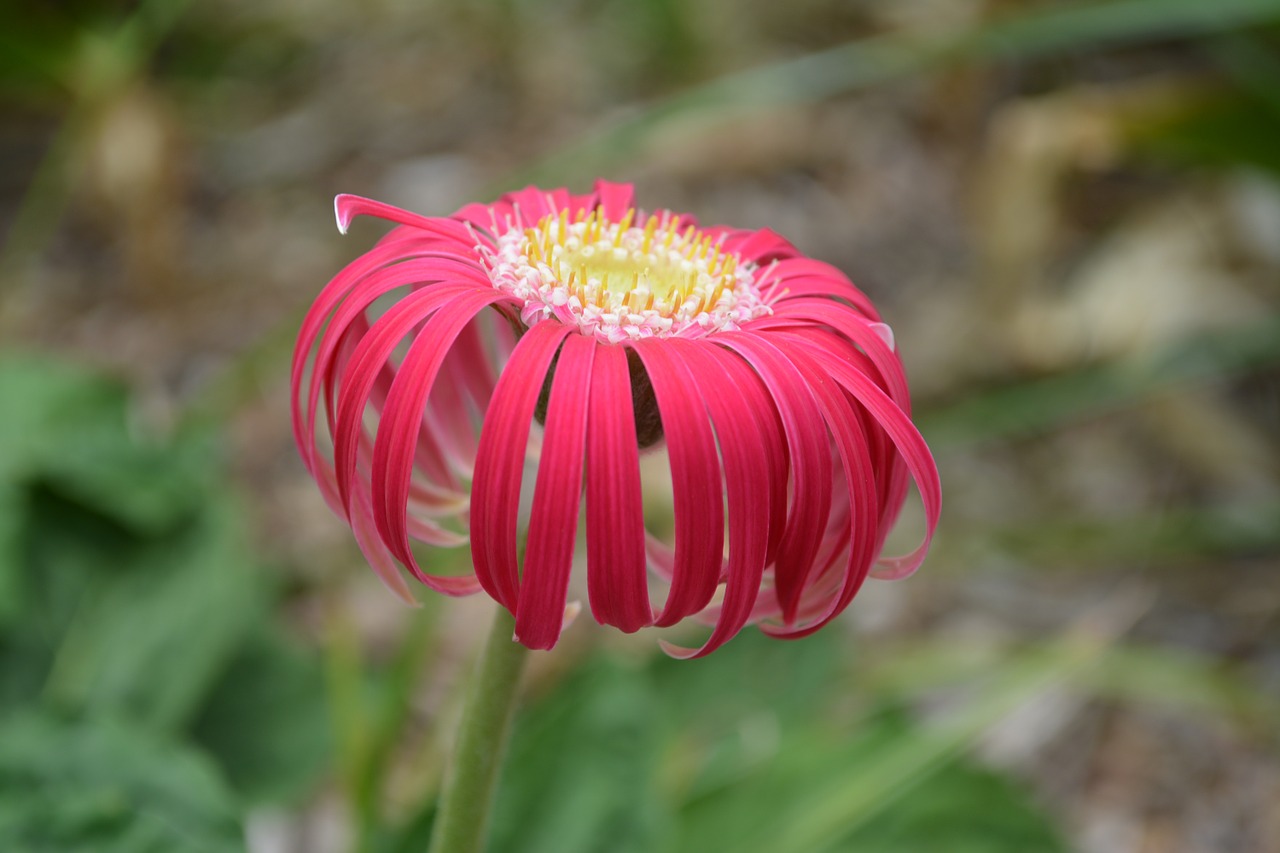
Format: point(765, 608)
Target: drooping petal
point(806, 437)
point(856, 535)
point(792, 278)
point(553, 520)
point(695, 480)
point(860, 330)
point(741, 439)
point(892, 477)
point(398, 430)
point(363, 292)
point(367, 362)
point(616, 584)
point(376, 553)
point(443, 266)
point(504, 438)
point(907, 439)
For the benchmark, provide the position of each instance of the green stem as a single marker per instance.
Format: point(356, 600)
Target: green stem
point(463, 818)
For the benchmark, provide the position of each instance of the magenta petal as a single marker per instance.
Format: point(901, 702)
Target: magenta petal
point(553, 521)
point(907, 439)
point(695, 481)
point(347, 207)
point(376, 553)
point(398, 430)
point(532, 204)
point(366, 364)
point(747, 477)
point(859, 530)
point(504, 438)
point(797, 277)
point(358, 277)
point(616, 580)
point(863, 332)
point(763, 246)
point(615, 199)
point(806, 437)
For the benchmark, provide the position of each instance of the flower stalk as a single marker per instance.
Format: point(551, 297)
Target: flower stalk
point(462, 820)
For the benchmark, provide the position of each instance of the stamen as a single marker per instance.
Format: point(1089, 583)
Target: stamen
point(616, 280)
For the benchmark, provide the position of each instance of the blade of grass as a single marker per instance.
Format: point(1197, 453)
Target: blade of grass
point(838, 810)
point(1170, 534)
point(1031, 407)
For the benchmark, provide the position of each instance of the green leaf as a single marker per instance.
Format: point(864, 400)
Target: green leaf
point(974, 809)
point(1223, 133)
point(580, 776)
point(971, 808)
point(724, 710)
point(106, 787)
point(75, 430)
point(122, 559)
point(264, 722)
point(1038, 405)
point(149, 636)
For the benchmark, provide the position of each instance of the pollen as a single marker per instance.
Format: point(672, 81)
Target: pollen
point(633, 278)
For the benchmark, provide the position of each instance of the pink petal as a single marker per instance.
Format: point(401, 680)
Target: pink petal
point(376, 553)
point(616, 581)
point(915, 453)
point(860, 530)
point(762, 246)
point(615, 199)
point(553, 521)
point(532, 204)
point(806, 437)
point(367, 362)
point(347, 207)
point(504, 438)
point(401, 422)
point(356, 277)
point(808, 277)
point(857, 328)
point(747, 477)
point(695, 481)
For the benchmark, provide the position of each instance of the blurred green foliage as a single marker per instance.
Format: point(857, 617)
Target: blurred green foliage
point(145, 695)
point(104, 785)
point(734, 753)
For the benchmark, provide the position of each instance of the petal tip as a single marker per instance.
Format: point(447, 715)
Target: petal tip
point(341, 211)
point(885, 333)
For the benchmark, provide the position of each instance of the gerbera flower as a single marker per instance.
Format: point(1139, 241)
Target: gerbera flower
point(767, 376)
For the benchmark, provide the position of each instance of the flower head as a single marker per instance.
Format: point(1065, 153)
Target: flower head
point(768, 377)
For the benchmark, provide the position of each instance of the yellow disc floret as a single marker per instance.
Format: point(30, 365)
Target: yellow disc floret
point(624, 279)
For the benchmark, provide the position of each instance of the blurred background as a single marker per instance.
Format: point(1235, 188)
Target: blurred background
point(1069, 213)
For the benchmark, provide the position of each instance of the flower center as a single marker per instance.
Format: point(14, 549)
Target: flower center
point(620, 280)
